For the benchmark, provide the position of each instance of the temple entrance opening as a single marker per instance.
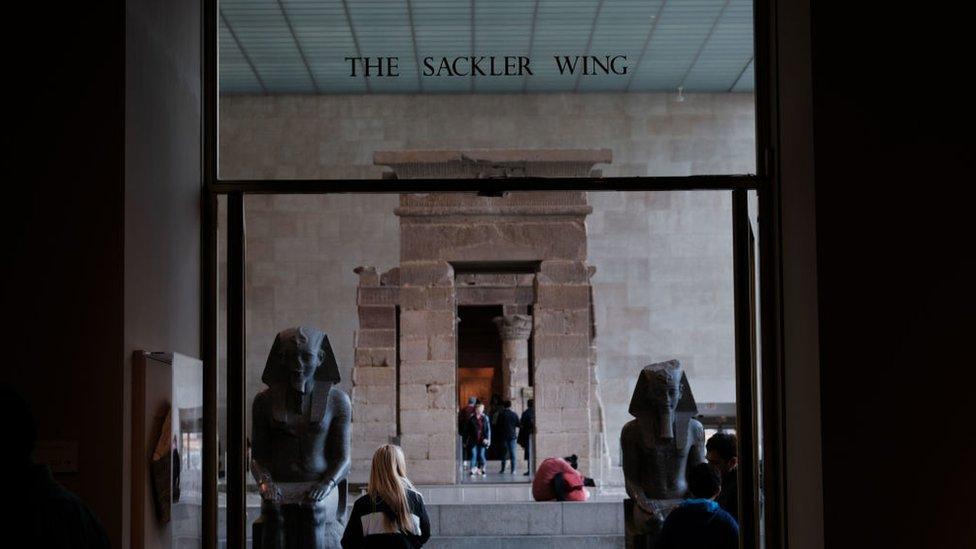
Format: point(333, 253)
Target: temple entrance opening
point(479, 353)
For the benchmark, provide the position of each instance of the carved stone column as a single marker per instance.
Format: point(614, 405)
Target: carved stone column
point(515, 331)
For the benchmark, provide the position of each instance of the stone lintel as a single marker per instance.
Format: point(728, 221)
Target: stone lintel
point(421, 156)
point(515, 213)
point(492, 163)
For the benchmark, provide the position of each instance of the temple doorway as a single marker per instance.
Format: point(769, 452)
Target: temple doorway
point(479, 354)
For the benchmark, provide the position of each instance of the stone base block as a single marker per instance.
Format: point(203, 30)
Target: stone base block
point(432, 471)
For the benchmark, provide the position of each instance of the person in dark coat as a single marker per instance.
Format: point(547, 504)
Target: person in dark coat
point(506, 431)
point(478, 438)
point(526, 430)
point(699, 523)
point(722, 455)
point(463, 416)
point(43, 513)
point(496, 450)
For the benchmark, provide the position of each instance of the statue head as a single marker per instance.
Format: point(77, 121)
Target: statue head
point(662, 391)
point(298, 356)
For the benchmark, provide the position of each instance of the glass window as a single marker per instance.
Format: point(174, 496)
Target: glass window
point(327, 89)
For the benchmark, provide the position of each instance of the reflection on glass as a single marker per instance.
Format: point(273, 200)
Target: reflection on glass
point(188, 436)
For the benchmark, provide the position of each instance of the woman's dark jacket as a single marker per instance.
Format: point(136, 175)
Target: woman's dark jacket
point(471, 430)
point(527, 427)
point(506, 426)
point(371, 524)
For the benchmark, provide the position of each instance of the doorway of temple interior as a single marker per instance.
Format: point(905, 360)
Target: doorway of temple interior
point(479, 354)
point(481, 375)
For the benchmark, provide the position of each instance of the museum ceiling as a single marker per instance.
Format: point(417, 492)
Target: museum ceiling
point(485, 46)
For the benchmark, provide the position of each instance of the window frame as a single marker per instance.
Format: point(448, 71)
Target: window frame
point(771, 39)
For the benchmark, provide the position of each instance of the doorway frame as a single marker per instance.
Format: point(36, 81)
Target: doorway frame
point(793, 514)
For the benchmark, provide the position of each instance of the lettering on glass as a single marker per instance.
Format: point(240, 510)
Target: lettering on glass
point(488, 66)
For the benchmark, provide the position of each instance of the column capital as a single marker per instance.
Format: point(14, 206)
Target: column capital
point(514, 326)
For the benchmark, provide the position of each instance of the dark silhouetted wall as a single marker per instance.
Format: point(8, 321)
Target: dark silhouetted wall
point(100, 219)
point(894, 151)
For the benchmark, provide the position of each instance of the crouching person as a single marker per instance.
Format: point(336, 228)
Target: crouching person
point(558, 480)
point(392, 513)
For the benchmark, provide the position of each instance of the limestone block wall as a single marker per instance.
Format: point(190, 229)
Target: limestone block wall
point(662, 290)
point(301, 251)
point(373, 390)
point(563, 373)
point(428, 352)
point(335, 136)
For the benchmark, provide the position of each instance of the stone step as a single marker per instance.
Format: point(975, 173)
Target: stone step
point(528, 520)
point(437, 494)
point(525, 542)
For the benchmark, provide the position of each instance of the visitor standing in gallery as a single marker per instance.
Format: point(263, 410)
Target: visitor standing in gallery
point(494, 408)
point(478, 439)
point(722, 454)
point(526, 430)
point(699, 523)
point(463, 416)
point(506, 429)
point(392, 513)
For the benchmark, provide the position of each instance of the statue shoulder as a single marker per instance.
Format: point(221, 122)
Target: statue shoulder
point(630, 429)
point(262, 399)
point(339, 400)
point(697, 430)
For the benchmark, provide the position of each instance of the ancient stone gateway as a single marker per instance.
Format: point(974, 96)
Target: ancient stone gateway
point(524, 253)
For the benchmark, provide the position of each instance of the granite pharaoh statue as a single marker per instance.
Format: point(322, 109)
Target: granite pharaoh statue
point(300, 442)
point(660, 445)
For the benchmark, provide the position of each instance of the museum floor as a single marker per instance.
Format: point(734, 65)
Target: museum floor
point(492, 476)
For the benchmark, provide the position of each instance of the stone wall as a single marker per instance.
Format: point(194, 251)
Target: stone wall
point(662, 290)
point(335, 136)
point(663, 285)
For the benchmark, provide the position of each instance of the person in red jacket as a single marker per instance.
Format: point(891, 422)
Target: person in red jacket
point(558, 480)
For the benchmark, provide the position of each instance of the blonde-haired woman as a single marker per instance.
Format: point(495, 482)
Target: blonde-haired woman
point(392, 513)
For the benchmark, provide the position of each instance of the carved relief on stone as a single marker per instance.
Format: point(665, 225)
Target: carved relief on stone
point(514, 326)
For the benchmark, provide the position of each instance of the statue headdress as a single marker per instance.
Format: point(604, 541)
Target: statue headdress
point(290, 341)
point(686, 402)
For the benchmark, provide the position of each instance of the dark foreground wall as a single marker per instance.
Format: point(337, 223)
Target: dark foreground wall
point(894, 167)
point(100, 236)
point(162, 189)
point(63, 233)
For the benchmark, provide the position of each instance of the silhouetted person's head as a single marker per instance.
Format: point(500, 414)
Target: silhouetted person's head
point(704, 482)
point(19, 426)
point(531, 403)
point(721, 452)
point(507, 404)
point(472, 400)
